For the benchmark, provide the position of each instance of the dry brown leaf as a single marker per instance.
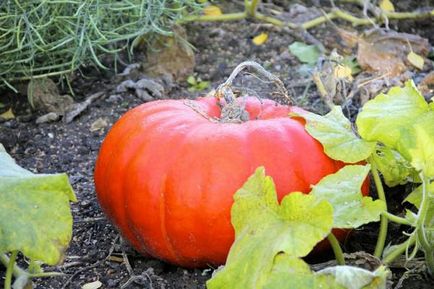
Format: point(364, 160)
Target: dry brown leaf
point(98, 124)
point(426, 86)
point(43, 95)
point(385, 52)
point(171, 55)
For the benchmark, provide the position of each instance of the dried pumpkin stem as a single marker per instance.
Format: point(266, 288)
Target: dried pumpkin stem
point(233, 111)
point(225, 89)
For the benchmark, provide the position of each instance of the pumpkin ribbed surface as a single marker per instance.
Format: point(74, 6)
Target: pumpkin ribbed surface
point(167, 172)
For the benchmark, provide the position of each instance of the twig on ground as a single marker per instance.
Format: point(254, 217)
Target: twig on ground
point(80, 107)
point(96, 264)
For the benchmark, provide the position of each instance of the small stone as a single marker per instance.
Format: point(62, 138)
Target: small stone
point(49, 117)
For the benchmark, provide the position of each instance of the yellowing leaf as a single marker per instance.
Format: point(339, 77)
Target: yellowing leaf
point(212, 10)
point(416, 60)
point(343, 72)
point(8, 114)
point(387, 5)
point(403, 105)
point(35, 217)
point(335, 133)
point(265, 228)
point(260, 39)
point(343, 190)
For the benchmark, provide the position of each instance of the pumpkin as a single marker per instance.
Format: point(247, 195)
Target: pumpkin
point(167, 172)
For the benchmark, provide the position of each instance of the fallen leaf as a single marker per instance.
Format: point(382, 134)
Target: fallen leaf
point(212, 10)
point(416, 60)
point(92, 285)
point(426, 86)
point(342, 71)
point(98, 124)
point(260, 39)
point(385, 52)
point(333, 79)
point(43, 95)
point(8, 114)
point(305, 53)
point(171, 56)
point(386, 5)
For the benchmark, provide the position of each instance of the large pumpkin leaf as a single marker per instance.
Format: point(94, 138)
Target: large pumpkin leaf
point(335, 133)
point(417, 144)
point(264, 228)
point(385, 117)
point(35, 217)
point(343, 191)
point(395, 169)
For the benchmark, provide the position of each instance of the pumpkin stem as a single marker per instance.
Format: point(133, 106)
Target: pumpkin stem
point(233, 111)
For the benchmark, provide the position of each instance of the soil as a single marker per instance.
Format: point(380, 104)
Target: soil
point(95, 252)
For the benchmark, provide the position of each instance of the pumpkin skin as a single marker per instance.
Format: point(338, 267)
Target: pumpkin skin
point(166, 174)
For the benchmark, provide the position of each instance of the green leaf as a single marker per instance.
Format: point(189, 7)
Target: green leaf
point(335, 133)
point(305, 53)
point(8, 167)
point(415, 197)
point(395, 169)
point(35, 217)
point(191, 80)
point(343, 191)
point(351, 62)
point(263, 228)
point(356, 278)
point(202, 85)
point(385, 117)
point(417, 144)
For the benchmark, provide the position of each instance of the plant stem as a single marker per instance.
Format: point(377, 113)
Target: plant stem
point(10, 270)
point(319, 20)
point(399, 250)
point(337, 250)
point(206, 18)
point(396, 219)
point(253, 6)
point(46, 274)
point(420, 224)
point(250, 10)
point(17, 270)
point(383, 219)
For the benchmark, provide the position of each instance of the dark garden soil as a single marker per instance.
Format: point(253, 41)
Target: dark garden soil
point(96, 251)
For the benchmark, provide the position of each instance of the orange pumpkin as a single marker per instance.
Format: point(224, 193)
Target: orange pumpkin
point(167, 172)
